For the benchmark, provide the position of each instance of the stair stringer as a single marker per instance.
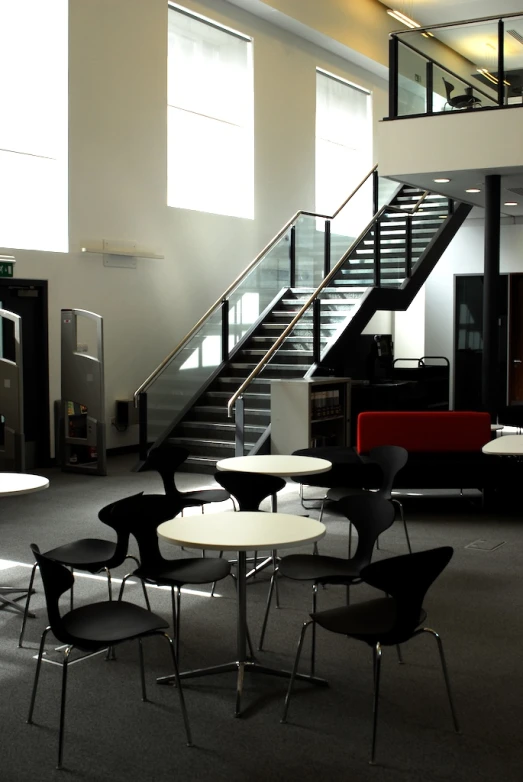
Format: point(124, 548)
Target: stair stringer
point(396, 299)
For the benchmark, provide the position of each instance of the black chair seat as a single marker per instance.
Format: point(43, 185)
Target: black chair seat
point(89, 554)
point(113, 621)
point(186, 571)
point(320, 569)
point(205, 496)
point(371, 621)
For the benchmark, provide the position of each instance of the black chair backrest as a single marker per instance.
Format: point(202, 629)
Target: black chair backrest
point(111, 515)
point(390, 458)
point(448, 87)
point(371, 515)
point(140, 516)
point(407, 579)
point(249, 488)
point(165, 459)
point(56, 579)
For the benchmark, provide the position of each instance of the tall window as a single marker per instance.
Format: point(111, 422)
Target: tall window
point(210, 117)
point(33, 124)
point(343, 140)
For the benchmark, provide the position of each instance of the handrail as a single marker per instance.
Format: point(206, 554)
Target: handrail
point(429, 58)
point(443, 25)
point(258, 368)
point(147, 382)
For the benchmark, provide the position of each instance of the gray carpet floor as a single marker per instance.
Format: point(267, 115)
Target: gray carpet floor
point(476, 605)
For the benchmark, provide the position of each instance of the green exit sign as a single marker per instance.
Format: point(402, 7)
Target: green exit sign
point(6, 269)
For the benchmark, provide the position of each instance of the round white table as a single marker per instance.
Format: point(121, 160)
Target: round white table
point(507, 445)
point(11, 484)
point(241, 532)
point(284, 465)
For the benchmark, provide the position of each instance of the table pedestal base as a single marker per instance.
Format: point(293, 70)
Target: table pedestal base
point(249, 666)
point(4, 601)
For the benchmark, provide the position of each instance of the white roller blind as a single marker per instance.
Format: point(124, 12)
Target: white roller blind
point(33, 124)
point(343, 140)
point(210, 118)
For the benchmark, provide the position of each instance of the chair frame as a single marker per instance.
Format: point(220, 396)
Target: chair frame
point(64, 581)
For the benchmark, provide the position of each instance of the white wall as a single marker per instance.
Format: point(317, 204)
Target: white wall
point(117, 179)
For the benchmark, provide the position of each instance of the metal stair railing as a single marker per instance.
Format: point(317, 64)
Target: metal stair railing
point(237, 398)
point(222, 303)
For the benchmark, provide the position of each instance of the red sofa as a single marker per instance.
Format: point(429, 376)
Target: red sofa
point(444, 447)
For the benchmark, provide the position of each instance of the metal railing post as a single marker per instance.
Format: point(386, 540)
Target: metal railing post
point(408, 247)
point(239, 411)
point(429, 86)
point(501, 63)
point(393, 77)
point(316, 330)
point(292, 259)
point(327, 249)
point(225, 329)
point(375, 192)
point(142, 426)
point(377, 253)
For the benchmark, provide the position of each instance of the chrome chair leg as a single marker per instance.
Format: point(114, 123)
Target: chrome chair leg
point(399, 505)
point(377, 669)
point(445, 674)
point(313, 642)
point(145, 595)
point(400, 656)
point(109, 582)
point(27, 601)
point(267, 609)
point(142, 670)
point(179, 688)
point(67, 652)
point(294, 671)
point(275, 571)
point(37, 675)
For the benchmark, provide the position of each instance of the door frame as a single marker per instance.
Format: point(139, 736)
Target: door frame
point(42, 287)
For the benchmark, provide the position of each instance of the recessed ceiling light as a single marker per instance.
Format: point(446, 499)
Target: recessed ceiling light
point(511, 203)
point(473, 190)
point(441, 180)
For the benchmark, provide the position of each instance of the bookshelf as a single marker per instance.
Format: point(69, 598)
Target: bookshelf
point(309, 413)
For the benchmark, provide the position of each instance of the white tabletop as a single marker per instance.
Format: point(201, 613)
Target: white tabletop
point(21, 483)
point(241, 531)
point(507, 445)
point(276, 464)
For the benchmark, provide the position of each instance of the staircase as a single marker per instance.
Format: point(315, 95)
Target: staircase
point(383, 268)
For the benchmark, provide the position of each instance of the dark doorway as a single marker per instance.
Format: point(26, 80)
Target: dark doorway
point(515, 365)
point(468, 342)
point(28, 298)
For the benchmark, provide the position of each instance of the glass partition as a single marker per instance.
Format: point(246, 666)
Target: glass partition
point(456, 67)
point(310, 251)
point(351, 221)
point(258, 289)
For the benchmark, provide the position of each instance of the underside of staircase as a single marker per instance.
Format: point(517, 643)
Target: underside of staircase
point(347, 305)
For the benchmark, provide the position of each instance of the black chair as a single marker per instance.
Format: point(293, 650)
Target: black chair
point(90, 554)
point(91, 628)
point(141, 521)
point(390, 459)
point(465, 101)
point(166, 459)
point(371, 515)
point(386, 621)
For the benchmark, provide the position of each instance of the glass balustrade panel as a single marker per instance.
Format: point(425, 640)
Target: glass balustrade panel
point(392, 249)
point(175, 387)
point(258, 289)
point(513, 61)
point(350, 222)
point(412, 81)
point(310, 251)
